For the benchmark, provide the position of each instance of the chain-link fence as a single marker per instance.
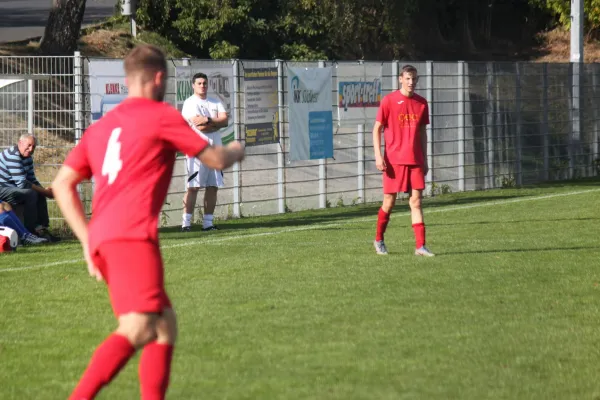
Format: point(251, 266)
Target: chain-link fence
point(492, 125)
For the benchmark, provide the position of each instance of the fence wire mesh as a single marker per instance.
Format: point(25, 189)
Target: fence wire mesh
point(492, 125)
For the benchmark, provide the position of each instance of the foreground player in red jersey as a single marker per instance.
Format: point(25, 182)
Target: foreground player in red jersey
point(130, 153)
point(404, 116)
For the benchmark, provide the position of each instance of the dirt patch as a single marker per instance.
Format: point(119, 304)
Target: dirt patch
point(555, 46)
point(106, 43)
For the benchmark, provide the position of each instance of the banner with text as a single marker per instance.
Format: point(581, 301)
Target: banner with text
point(107, 86)
point(262, 112)
point(310, 113)
point(220, 86)
point(359, 92)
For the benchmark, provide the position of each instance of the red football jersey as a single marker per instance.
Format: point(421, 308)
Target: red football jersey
point(401, 118)
point(131, 153)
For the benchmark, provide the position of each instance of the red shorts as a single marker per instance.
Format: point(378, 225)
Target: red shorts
point(134, 274)
point(402, 178)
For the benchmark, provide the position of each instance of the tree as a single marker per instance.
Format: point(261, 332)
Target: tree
point(562, 9)
point(63, 27)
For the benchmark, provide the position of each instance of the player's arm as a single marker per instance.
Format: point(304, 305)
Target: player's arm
point(377, 127)
point(423, 135)
point(377, 140)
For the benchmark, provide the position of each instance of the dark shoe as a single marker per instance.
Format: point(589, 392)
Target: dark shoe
point(29, 239)
point(210, 228)
point(45, 233)
point(186, 229)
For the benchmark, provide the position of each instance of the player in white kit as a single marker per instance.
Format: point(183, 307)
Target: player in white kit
point(207, 116)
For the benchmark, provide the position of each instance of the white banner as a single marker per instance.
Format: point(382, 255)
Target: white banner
point(310, 113)
point(220, 86)
point(359, 92)
point(107, 86)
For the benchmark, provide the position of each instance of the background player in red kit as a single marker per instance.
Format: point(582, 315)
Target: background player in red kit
point(404, 116)
point(130, 153)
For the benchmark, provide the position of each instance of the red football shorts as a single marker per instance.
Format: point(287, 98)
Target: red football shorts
point(134, 274)
point(402, 178)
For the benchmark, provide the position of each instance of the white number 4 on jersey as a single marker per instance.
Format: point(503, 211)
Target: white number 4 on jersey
point(112, 159)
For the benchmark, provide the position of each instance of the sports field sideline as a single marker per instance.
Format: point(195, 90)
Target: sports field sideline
point(298, 306)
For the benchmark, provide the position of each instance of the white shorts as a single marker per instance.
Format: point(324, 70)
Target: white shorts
point(206, 177)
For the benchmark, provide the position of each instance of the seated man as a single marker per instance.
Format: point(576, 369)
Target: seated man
point(10, 220)
point(19, 186)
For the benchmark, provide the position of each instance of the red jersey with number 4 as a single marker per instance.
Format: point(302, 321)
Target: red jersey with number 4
point(131, 152)
point(401, 118)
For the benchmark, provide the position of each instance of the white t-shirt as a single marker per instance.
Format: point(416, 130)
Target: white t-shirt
point(209, 107)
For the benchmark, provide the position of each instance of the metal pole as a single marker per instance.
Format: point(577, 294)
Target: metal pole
point(490, 128)
point(461, 126)
point(395, 72)
point(30, 102)
point(236, 132)
point(361, 162)
point(280, 154)
point(545, 125)
point(322, 170)
point(429, 93)
point(577, 16)
point(518, 141)
point(595, 100)
point(78, 78)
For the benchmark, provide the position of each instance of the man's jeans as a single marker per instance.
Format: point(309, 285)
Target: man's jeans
point(36, 207)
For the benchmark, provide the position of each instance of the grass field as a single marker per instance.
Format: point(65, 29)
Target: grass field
point(299, 306)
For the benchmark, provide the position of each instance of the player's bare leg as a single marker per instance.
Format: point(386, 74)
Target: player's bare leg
point(134, 332)
point(416, 216)
point(383, 218)
point(189, 203)
point(210, 202)
point(155, 362)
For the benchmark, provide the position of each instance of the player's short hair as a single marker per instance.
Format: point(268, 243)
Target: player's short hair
point(146, 59)
point(198, 76)
point(408, 69)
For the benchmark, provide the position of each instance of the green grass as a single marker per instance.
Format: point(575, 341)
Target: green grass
point(298, 306)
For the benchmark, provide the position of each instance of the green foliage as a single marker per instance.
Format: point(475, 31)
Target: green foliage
point(303, 30)
point(562, 9)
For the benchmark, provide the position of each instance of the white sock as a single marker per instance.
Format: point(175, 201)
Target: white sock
point(207, 221)
point(187, 220)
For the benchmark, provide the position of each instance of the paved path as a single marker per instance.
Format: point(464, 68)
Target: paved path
point(23, 19)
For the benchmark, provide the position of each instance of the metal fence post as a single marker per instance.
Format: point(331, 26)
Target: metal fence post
point(490, 127)
point(461, 126)
point(545, 125)
point(429, 93)
point(323, 170)
point(78, 106)
point(30, 105)
point(576, 123)
point(236, 133)
point(280, 155)
point(518, 138)
point(596, 115)
point(78, 89)
point(395, 73)
point(361, 162)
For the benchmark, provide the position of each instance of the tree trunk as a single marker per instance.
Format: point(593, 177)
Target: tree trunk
point(467, 36)
point(63, 27)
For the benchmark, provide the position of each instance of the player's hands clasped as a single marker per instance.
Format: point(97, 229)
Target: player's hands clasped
point(380, 163)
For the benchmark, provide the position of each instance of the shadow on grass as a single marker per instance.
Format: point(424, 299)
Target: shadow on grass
point(522, 221)
point(332, 215)
point(534, 250)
